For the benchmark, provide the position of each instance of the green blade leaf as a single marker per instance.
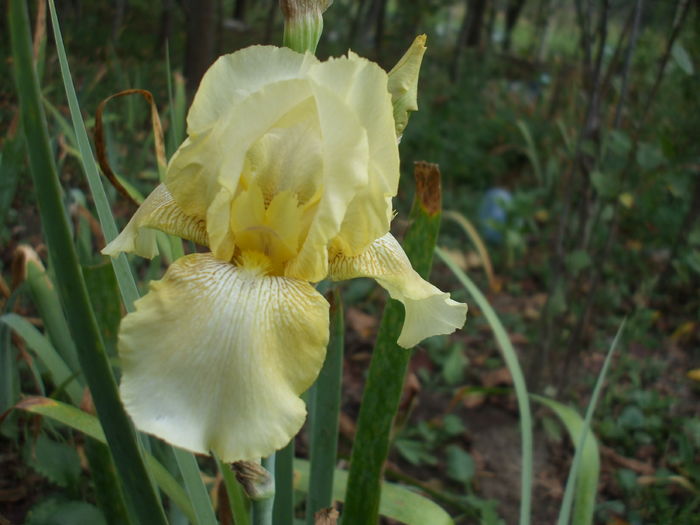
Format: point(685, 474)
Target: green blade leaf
point(72, 290)
point(397, 502)
point(581, 513)
point(46, 353)
point(122, 271)
point(283, 509)
point(125, 279)
point(46, 299)
point(197, 492)
point(90, 426)
point(511, 359)
point(586, 478)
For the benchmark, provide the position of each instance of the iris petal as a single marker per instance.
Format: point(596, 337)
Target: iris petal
point(158, 212)
point(234, 77)
point(429, 311)
point(345, 155)
point(215, 357)
point(204, 173)
point(351, 78)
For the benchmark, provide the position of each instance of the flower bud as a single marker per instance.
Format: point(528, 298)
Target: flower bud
point(303, 23)
point(257, 482)
point(403, 83)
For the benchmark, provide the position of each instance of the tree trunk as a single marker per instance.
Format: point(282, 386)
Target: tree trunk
point(379, 16)
point(490, 23)
point(239, 10)
point(165, 30)
point(513, 11)
point(270, 22)
point(201, 37)
point(356, 21)
point(477, 10)
point(544, 13)
point(460, 43)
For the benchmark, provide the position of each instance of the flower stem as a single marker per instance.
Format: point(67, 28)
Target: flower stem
point(262, 508)
point(283, 511)
point(387, 371)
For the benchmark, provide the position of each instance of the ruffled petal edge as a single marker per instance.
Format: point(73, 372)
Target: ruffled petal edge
point(158, 212)
point(429, 311)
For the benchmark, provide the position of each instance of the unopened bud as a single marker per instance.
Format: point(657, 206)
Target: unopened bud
point(403, 83)
point(256, 481)
point(303, 23)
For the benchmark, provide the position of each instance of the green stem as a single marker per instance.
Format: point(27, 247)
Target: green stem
point(283, 510)
point(389, 364)
point(262, 508)
point(325, 415)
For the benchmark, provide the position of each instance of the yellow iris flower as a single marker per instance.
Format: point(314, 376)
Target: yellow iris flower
point(287, 175)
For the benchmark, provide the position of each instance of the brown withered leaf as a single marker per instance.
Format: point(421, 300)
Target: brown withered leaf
point(633, 464)
point(327, 516)
point(362, 323)
point(500, 376)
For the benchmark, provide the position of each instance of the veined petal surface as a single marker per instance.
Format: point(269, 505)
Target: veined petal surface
point(345, 158)
point(234, 77)
point(361, 85)
point(215, 357)
point(204, 174)
point(158, 212)
point(429, 311)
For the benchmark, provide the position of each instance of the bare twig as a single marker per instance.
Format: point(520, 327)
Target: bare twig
point(681, 13)
point(573, 185)
point(595, 273)
point(628, 61)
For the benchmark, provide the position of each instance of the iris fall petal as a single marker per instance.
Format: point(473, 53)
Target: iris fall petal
point(215, 357)
point(158, 212)
point(429, 311)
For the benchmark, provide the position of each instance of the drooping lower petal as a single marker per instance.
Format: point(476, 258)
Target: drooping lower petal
point(158, 212)
point(216, 356)
point(429, 311)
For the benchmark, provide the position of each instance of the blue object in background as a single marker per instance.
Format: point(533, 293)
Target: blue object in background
point(493, 212)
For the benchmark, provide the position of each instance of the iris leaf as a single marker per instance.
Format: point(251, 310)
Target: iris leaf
point(90, 426)
point(125, 279)
point(72, 290)
point(511, 359)
point(397, 502)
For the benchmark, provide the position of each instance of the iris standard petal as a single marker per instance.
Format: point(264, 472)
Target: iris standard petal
point(234, 77)
point(351, 78)
point(215, 356)
point(204, 173)
point(158, 212)
point(345, 157)
point(429, 311)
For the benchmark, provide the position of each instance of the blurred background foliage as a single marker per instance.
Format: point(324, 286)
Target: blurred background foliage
point(567, 132)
